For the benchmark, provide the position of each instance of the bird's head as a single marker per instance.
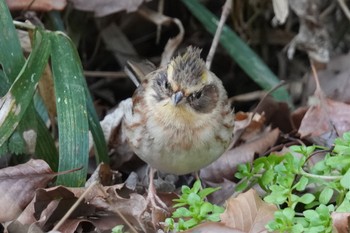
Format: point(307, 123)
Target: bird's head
point(187, 85)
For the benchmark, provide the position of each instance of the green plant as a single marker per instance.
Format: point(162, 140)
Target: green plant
point(118, 229)
point(192, 209)
point(19, 100)
point(306, 194)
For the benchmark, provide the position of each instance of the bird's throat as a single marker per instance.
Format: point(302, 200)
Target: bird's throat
point(179, 116)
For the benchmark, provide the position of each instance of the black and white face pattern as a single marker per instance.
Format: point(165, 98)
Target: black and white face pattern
point(202, 100)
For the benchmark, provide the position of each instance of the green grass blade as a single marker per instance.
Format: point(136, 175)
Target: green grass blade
point(11, 56)
point(16, 101)
point(246, 58)
point(101, 152)
point(45, 145)
point(72, 113)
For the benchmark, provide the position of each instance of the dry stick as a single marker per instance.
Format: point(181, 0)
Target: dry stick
point(322, 98)
point(225, 12)
point(159, 26)
point(265, 96)
point(233, 143)
point(344, 8)
point(70, 211)
point(105, 74)
point(317, 81)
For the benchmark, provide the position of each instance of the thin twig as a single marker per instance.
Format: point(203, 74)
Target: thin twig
point(345, 8)
point(225, 12)
point(159, 26)
point(237, 136)
point(70, 211)
point(266, 95)
point(105, 74)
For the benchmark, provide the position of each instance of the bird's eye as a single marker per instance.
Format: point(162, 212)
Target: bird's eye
point(162, 81)
point(166, 85)
point(197, 95)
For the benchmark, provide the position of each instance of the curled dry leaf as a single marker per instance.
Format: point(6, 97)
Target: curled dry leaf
point(226, 165)
point(102, 175)
point(37, 5)
point(50, 205)
point(281, 9)
point(18, 185)
point(312, 36)
point(160, 19)
point(248, 126)
point(325, 121)
point(248, 212)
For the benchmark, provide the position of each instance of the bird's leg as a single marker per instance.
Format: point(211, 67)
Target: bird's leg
point(152, 193)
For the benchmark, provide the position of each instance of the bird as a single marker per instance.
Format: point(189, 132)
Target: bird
point(180, 119)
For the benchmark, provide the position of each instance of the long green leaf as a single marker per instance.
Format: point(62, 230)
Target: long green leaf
point(11, 56)
point(101, 151)
point(12, 61)
point(72, 113)
point(16, 101)
point(246, 58)
point(45, 147)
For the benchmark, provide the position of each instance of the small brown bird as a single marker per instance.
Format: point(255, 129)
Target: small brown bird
point(180, 119)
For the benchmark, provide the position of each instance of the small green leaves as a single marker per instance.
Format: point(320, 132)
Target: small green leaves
point(345, 205)
point(192, 206)
point(118, 229)
point(301, 185)
point(307, 198)
point(326, 195)
point(291, 183)
point(345, 181)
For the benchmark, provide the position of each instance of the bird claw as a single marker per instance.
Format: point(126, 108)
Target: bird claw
point(155, 201)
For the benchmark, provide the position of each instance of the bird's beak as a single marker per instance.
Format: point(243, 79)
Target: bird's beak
point(177, 97)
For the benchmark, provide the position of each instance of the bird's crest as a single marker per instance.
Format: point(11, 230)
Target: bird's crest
point(188, 68)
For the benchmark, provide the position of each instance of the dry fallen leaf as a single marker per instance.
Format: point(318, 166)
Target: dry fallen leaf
point(281, 9)
point(312, 36)
point(341, 221)
point(226, 165)
point(50, 205)
point(18, 185)
point(325, 121)
point(248, 212)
